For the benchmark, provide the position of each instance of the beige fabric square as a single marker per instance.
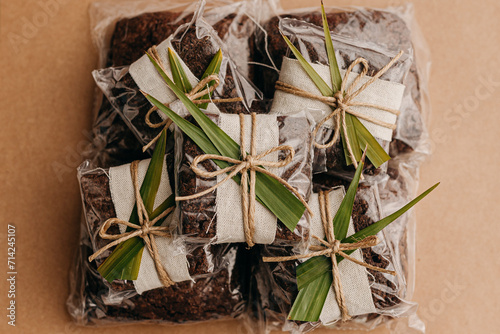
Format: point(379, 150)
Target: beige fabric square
point(354, 277)
point(228, 200)
point(171, 252)
point(381, 92)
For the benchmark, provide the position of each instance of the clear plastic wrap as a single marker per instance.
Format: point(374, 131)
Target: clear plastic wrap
point(121, 34)
point(198, 217)
point(112, 142)
point(218, 289)
point(391, 29)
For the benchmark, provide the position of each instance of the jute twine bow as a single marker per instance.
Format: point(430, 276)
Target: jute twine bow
point(343, 101)
point(200, 90)
point(145, 230)
point(333, 247)
point(249, 162)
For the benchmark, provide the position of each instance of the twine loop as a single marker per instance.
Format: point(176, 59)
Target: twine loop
point(332, 248)
point(248, 164)
point(343, 101)
point(145, 230)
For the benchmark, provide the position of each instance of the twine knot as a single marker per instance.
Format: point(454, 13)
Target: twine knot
point(332, 248)
point(200, 90)
point(343, 101)
point(339, 100)
point(145, 230)
point(251, 163)
point(336, 247)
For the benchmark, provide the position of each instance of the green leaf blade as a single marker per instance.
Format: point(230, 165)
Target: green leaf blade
point(343, 216)
point(318, 81)
point(352, 135)
point(374, 151)
point(121, 261)
point(311, 269)
point(213, 68)
point(279, 200)
point(332, 59)
point(180, 78)
point(152, 179)
point(310, 300)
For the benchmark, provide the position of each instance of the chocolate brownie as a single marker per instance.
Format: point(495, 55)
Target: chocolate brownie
point(219, 290)
point(385, 29)
point(275, 283)
point(130, 39)
point(221, 294)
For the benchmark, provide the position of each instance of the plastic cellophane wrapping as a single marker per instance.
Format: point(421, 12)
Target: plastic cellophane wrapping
point(122, 33)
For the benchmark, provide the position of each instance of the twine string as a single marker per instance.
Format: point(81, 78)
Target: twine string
point(252, 163)
point(332, 247)
point(342, 102)
point(145, 230)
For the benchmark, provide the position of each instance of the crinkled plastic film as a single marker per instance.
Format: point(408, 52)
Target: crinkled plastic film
point(276, 282)
point(218, 291)
point(196, 44)
point(122, 33)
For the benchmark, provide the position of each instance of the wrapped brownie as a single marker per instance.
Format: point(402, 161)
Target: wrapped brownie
point(378, 35)
point(371, 296)
point(216, 287)
point(384, 94)
point(218, 215)
point(121, 85)
point(196, 268)
point(115, 35)
point(196, 39)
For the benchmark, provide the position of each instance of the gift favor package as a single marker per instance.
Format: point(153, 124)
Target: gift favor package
point(252, 163)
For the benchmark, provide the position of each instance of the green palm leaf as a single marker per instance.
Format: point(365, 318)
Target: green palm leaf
point(125, 260)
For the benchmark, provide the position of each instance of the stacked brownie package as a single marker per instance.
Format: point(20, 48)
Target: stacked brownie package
point(217, 285)
point(217, 275)
point(375, 35)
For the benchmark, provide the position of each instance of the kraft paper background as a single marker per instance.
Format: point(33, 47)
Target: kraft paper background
point(46, 99)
